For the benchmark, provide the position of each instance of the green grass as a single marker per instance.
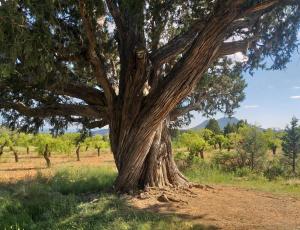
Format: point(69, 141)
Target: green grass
point(79, 198)
point(207, 174)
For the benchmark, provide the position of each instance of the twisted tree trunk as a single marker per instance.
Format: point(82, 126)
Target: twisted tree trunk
point(152, 165)
point(138, 117)
point(159, 167)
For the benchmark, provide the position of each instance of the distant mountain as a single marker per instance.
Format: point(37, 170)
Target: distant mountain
point(222, 122)
point(101, 131)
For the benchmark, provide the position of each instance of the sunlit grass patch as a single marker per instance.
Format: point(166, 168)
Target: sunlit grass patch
point(82, 179)
point(209, 174)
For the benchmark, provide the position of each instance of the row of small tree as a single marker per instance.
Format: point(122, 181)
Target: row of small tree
point(250, 143)
point(45, 144)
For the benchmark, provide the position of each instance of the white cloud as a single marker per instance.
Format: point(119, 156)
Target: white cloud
point(295, 97)
point(296, 87)
point(251, 106)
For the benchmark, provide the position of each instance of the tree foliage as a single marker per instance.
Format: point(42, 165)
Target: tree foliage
point(213, 126)
point(291, 143)
point(54, 145)
point(97, 141)
point(273, 140)
point(60, 48)
point(195, 143)
point(253, 145)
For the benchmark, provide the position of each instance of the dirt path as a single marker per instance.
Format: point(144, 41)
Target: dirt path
point(227, 208)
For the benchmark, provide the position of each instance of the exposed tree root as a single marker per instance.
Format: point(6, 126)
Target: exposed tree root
point(173, 194)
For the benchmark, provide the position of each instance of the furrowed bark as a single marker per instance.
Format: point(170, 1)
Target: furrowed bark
point(155, 167)
point(160, 168)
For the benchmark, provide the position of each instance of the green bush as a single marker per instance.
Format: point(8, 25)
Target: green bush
point(226, 161)
point(181, 156)
point(181, 159)
point(274, 170)
point(193, 160)
point(243, 172)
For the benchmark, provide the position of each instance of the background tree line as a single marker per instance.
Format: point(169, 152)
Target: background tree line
point(243, 146)
point(45, 144)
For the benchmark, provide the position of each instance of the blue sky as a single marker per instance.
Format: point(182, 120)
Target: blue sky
point(272, 97)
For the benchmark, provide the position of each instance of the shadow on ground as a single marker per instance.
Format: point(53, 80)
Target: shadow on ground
point(21, 169)
point(78, 199)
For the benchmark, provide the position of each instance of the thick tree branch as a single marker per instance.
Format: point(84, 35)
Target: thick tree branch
point(96, 62)
point(177, 44)
point(88, 94)
point(228, 48)
point(183, 41)
point(118, 18)
point(186, 73)
point(178, 112)
point(52, 110)
point(262, 6)
point(89, 124)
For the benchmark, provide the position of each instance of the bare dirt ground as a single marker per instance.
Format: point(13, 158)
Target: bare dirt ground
point(29, 165)
point(220, 207)
point(225, 207)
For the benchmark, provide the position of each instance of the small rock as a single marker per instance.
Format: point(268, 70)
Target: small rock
point(94, 201)
point(163, 198)
point(143, 196)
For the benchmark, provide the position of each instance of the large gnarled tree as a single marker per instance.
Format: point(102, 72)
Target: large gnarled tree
point(136, 66)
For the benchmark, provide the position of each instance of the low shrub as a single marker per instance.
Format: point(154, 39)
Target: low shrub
point(226, 161)
point(243, 172)
point(274, 169)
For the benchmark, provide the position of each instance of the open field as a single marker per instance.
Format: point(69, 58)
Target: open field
point(32, 164)
point(78, 195)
